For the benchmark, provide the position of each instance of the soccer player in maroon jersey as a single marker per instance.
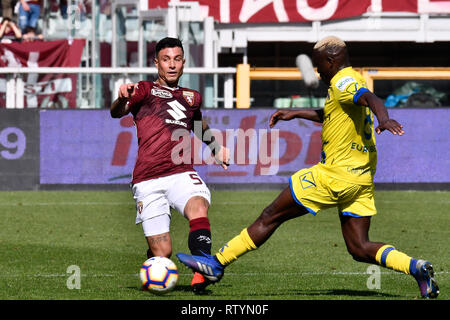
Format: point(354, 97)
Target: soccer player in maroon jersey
point(160, 109)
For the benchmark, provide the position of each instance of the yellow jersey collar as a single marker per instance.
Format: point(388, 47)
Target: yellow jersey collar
point(337, 75)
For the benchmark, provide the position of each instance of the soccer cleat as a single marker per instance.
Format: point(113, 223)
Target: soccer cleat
point(199, 283)
point(207, 265)
point(424, 275)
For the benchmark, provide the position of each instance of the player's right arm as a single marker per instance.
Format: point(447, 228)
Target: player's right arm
point(377, 106)
point(286, 115)
point(120, 107)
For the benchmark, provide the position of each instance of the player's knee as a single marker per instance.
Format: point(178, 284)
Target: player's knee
point(197, 207)
point(268, 216)
point(358, 252)
point(358, 257)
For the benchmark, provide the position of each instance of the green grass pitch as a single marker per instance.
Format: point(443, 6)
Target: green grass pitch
point(43, 233)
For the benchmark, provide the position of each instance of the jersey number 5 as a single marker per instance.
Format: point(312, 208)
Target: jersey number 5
point(196, 178)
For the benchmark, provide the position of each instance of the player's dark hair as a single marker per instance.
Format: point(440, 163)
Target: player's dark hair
point(168, 42)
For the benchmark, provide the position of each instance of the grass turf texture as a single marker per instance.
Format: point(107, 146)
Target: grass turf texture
point(43, 233)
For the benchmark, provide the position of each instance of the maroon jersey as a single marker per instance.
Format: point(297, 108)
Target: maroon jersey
point(158, 111)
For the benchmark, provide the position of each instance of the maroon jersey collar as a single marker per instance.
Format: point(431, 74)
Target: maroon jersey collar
point(165, 87)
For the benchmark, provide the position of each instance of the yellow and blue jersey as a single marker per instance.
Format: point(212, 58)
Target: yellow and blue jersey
point(348, 142)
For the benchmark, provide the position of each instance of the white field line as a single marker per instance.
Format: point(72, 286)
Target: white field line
point(99, 203)
point(232, 274)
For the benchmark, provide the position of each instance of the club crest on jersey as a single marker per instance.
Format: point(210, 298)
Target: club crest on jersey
point(189, 97)
point(307, 180)
point(140, 206)
point(160, 93)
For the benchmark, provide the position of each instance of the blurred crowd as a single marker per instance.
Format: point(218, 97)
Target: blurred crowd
point(20, 18)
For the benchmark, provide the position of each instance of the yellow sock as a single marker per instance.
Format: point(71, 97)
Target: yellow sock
point(235, 248)
point(393, 259)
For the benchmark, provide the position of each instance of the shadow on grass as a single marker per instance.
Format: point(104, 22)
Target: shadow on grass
point(343, 292)
point(331, 293)
point(337, 294)
point(185, 288)
point(178, 288)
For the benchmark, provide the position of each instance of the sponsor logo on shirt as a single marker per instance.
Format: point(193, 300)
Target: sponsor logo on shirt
point(160, 93)
point(342, 83)
point(177, 113)
point(178, 122)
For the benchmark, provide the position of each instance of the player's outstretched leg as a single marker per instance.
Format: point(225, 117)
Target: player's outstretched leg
point(199, 283)
point(424, 274)
point(212, 267)
point(206, 264)
point(199, 239)
point(355, 232)
point(387, 256)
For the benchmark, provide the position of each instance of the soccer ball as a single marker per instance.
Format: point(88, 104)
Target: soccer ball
point(159, 275)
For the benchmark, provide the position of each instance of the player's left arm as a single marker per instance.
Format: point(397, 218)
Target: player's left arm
point(220, 152)
point(377, 106)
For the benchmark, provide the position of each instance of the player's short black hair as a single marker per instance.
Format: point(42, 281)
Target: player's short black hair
point(168, 42)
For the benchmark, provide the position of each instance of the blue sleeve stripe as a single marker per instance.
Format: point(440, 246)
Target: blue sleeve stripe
point(358, 94)
point(296, 200)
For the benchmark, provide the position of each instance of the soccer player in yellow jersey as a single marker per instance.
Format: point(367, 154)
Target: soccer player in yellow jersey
point(342, 179)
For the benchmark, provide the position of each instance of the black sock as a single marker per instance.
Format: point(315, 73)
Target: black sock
point(199, 236)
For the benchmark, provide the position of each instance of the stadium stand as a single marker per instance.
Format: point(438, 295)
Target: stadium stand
point(122, 34)
point(239, 55)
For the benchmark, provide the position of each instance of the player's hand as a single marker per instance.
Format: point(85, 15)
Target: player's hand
point(223, 157)
point(127, 90)
point(392, 126)
point(280, 115)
